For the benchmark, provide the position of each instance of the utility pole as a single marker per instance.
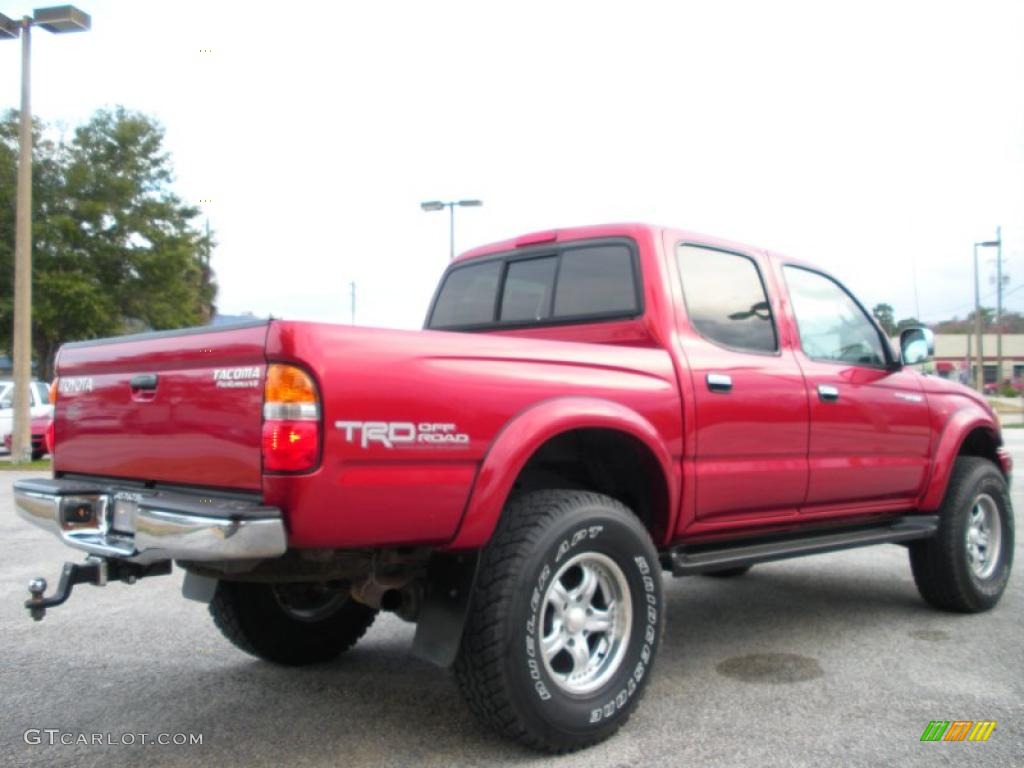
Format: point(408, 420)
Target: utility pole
point(979, 378)
point(21, 437)
point(999, 307)
point(58, 19)
point(352, 297)
point(979, 375)
point(913, 274)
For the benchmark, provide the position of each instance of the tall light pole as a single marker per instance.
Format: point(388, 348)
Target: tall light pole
point(999, 306)
point(979, 374)
point(65, 18)
point(437, 205)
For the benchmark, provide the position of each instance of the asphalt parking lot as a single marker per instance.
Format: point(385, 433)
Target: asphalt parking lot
point(831, 660)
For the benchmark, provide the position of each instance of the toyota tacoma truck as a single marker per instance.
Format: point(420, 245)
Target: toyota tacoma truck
point(585, 409)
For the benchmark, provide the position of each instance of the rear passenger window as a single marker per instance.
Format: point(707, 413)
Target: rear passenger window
point(725, 298)
point(594, 281)
point(571, 283)
point(467, 296)
point(528, 287)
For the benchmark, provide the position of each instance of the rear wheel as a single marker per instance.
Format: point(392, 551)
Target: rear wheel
point(564, 622)
point(290, 624)
point(966, 565)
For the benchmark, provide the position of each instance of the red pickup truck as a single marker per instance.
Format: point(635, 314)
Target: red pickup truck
point(586, 408)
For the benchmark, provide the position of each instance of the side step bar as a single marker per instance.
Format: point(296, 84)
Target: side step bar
point(694, 559)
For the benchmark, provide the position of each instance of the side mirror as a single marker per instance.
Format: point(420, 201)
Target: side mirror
point(917, 345)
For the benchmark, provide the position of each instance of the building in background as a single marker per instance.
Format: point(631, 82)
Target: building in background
point(955, 359)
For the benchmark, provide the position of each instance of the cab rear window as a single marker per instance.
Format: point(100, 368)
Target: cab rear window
point(575, 283)
point(467, 297)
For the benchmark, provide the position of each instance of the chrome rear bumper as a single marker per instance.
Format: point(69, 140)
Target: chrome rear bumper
point(145, 525)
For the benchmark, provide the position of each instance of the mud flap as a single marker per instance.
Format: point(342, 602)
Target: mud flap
point(198, 588)
point(450, 582)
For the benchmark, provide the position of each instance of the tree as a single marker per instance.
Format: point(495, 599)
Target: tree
point(884, 315)
point(967, 324)
point(114, 249)
point(906, 322)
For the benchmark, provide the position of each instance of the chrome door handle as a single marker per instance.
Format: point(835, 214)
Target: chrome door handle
point(827, 393)
point(719, 382)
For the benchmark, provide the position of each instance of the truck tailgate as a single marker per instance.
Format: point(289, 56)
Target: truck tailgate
point(180, 407)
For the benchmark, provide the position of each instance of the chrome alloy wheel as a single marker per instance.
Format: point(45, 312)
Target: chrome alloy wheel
point(984, 536)
point(586, 616)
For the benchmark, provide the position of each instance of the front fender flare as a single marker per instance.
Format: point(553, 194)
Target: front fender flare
point(527, 432)
point(960, 425)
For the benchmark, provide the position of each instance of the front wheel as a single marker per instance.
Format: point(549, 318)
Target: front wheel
point(565, 621)
point(966, 565)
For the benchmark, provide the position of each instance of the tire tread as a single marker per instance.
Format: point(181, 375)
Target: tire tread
point(479, 667)
point(940, 583)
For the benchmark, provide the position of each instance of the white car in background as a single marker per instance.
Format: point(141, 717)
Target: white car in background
point(39, 405)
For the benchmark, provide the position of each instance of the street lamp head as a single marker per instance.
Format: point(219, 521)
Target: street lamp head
point(432, 205)
point(62, 18)
point(988, 244)
point(470, 203)
point(9, 28)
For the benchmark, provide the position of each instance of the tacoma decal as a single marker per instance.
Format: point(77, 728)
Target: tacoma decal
point(237, 378)
point(393, 434)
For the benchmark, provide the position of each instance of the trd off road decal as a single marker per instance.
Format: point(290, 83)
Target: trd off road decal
point(398, 434)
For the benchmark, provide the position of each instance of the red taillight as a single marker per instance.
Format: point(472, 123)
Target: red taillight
point(290, 446)
point(291, 420)
point(48, 438)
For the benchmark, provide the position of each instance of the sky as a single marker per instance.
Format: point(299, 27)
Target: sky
point(878, 140)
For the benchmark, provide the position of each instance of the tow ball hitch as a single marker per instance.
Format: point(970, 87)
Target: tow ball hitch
point(95, 570)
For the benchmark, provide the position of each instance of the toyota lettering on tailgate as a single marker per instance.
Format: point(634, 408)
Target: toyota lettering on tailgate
point(75, 384)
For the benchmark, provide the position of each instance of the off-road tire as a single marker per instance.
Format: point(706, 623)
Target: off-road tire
point(728, 573)
point(500, 668)
point(940, 564)
point(253, 619)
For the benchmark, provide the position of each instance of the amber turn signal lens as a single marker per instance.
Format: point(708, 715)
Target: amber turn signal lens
point(288, 384)
point(54, 389)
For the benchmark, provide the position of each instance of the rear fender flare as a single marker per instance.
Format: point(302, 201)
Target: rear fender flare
point(527, 432)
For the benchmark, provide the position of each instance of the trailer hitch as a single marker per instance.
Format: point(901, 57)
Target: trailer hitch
point(95, 570)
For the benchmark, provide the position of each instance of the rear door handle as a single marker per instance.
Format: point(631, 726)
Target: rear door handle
point(719, 382)
point(827, 393)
